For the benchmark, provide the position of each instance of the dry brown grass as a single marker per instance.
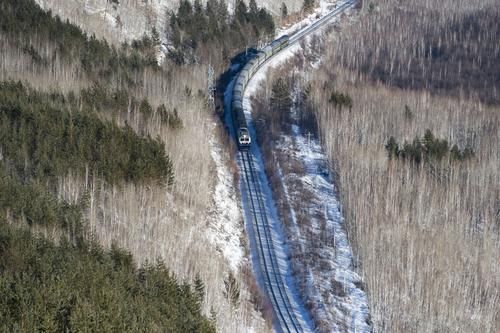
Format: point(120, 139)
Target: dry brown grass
point(427, 237)
point(150, 221)
point(428, 245)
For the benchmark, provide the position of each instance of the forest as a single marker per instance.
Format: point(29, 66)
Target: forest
point(405, 104)
point(455, 54)
point(212, 27)
point(98, 59)
point(90, 132)
point(416, 158)
point(43, 136)
point(67, 288)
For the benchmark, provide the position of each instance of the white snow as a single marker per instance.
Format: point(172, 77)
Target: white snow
point(278, 234)
point(325, 6)
point(349, 308)
point(224, 228)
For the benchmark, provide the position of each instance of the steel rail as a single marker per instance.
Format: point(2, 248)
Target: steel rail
point(270, 249)
point(251, 179)
point(262, 257)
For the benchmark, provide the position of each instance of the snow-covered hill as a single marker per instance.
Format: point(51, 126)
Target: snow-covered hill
point(130, 19)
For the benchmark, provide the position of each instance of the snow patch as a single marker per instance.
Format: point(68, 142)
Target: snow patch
point(348, 307)
point(224, 221)
point(325, 6)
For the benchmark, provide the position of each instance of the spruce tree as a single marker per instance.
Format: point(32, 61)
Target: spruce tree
point(308, 5)
point(199, 288)
point(284, 10)
point(241, 12)
point(280, 96)
point(253, 9)
point(392, 147)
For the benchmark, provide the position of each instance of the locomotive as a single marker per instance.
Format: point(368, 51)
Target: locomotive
point(238, 114)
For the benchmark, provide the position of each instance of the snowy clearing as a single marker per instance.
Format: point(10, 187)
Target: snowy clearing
point(333, 288)
point(224, 220)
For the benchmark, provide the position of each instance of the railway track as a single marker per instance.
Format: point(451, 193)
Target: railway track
point(273, 279)
point(322, 21)
point(287, 316)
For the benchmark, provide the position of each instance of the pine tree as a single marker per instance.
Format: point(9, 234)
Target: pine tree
point(155, 37)
point(253, 11)
point(455, 153)
point(392, 147)
point(241, 12)
point(280, 96)
point(284, 10)
point(199, 288)
point(308, 5)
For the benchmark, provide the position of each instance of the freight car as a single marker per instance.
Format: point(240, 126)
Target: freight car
point(238, 114)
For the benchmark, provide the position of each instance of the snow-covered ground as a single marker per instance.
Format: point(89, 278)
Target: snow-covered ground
point(130, 19)
point(325, 6)
point(333, 288)
point(331, 277)
point(224, 221)
point(278, 239)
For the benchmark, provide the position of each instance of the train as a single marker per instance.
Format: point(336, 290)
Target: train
point(239, 122)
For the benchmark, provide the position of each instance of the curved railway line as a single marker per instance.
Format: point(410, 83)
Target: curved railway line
point(287, 313)
point(268, 261)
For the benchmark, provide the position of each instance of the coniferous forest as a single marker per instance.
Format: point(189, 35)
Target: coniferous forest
point(70, 282)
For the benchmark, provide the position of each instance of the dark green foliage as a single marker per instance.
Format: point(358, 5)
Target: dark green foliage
point(194, 26)
point(281, 100)
point(199, 287)
point(98, 98)
point(42, 136)
point(100, 61)
point(145, 108)
point(340, 100)
point(429, 148)
point(435, 148)
point(35, 56)
point(308, 5)
point(170, 118)
point(155, 37)
point(241, 12)
point(67, 288)
point(392, 147)
point(408, 113)
point(32, 203)
point(284, 10)
point(371, 8)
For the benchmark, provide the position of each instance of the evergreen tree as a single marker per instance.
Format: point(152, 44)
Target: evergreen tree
point(284, 10)
point(253, 10)
point(281, 100)
point(407, 113)
point(339, 100)
point(232, 290)
point(241, 12)
point(155, 37)
point(308, 5)
point(455, 153)
point(199, 288)
point(392, 147)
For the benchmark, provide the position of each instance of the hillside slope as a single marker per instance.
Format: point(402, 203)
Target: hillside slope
point(107, 118)
point(409, 115)
point(129, 19)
